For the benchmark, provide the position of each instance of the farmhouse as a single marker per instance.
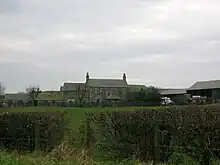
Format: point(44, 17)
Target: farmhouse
point(99, 90)
point(210, 89)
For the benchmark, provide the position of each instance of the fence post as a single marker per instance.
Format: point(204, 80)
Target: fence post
point(156, 148)
point(37, 136)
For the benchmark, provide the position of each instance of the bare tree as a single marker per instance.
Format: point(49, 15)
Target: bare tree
point(33, 92)
point(81, 94)
point(2, 89)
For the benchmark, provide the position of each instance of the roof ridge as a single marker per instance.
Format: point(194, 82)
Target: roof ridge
point(207, 80)
point(74, 83)
point(105, 79)
point(173, 88)
point(210, 84)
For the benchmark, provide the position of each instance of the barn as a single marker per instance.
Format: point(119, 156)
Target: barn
point(209, 89)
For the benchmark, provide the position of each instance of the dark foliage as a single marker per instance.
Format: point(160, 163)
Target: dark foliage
point(157, 134)
point(31, 131)
point(150, 96)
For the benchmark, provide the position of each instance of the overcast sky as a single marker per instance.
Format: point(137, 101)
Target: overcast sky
point(167, 43)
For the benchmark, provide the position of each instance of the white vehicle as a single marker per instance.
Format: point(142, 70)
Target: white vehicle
point(4, 105)
point(199, 99)
point(166, 101)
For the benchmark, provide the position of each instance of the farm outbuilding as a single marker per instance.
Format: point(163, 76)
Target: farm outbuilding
point(209, 89)
point(17, 99)
point(177, 95)
point(51, 98)
point(172, 92)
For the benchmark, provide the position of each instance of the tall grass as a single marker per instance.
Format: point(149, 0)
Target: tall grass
point(65, 154)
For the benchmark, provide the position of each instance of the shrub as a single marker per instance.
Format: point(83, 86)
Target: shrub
point(157, 134)
point(31, 131)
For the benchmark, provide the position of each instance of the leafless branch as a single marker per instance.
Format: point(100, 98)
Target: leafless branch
point(2, 89)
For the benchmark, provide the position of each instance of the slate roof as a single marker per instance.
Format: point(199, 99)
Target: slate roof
point(172, 91)
point(213, 84)
point(105, 83)
point(71, 86)
point(136, 88)
point(17, 96)
point(51, 96)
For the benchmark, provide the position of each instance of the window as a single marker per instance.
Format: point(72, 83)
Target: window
point(93, 91)
point(98, 91)
point(120, 92)
point(114, 91)
point(108, 93)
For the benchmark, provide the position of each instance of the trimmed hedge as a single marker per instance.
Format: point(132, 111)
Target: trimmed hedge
point(156, 134)
point(31, 131)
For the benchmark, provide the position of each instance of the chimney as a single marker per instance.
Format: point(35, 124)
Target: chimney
point(124, 77)
point(87, 76)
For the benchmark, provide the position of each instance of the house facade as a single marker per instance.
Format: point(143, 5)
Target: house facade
point(98, 90)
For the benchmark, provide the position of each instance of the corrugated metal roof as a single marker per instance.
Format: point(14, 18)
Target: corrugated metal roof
point(213, 84)
point(172, 91)
point(105, 83)
point(72, 86)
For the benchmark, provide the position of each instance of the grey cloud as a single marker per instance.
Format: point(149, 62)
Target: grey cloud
point(163, 42)
point(9, 6)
